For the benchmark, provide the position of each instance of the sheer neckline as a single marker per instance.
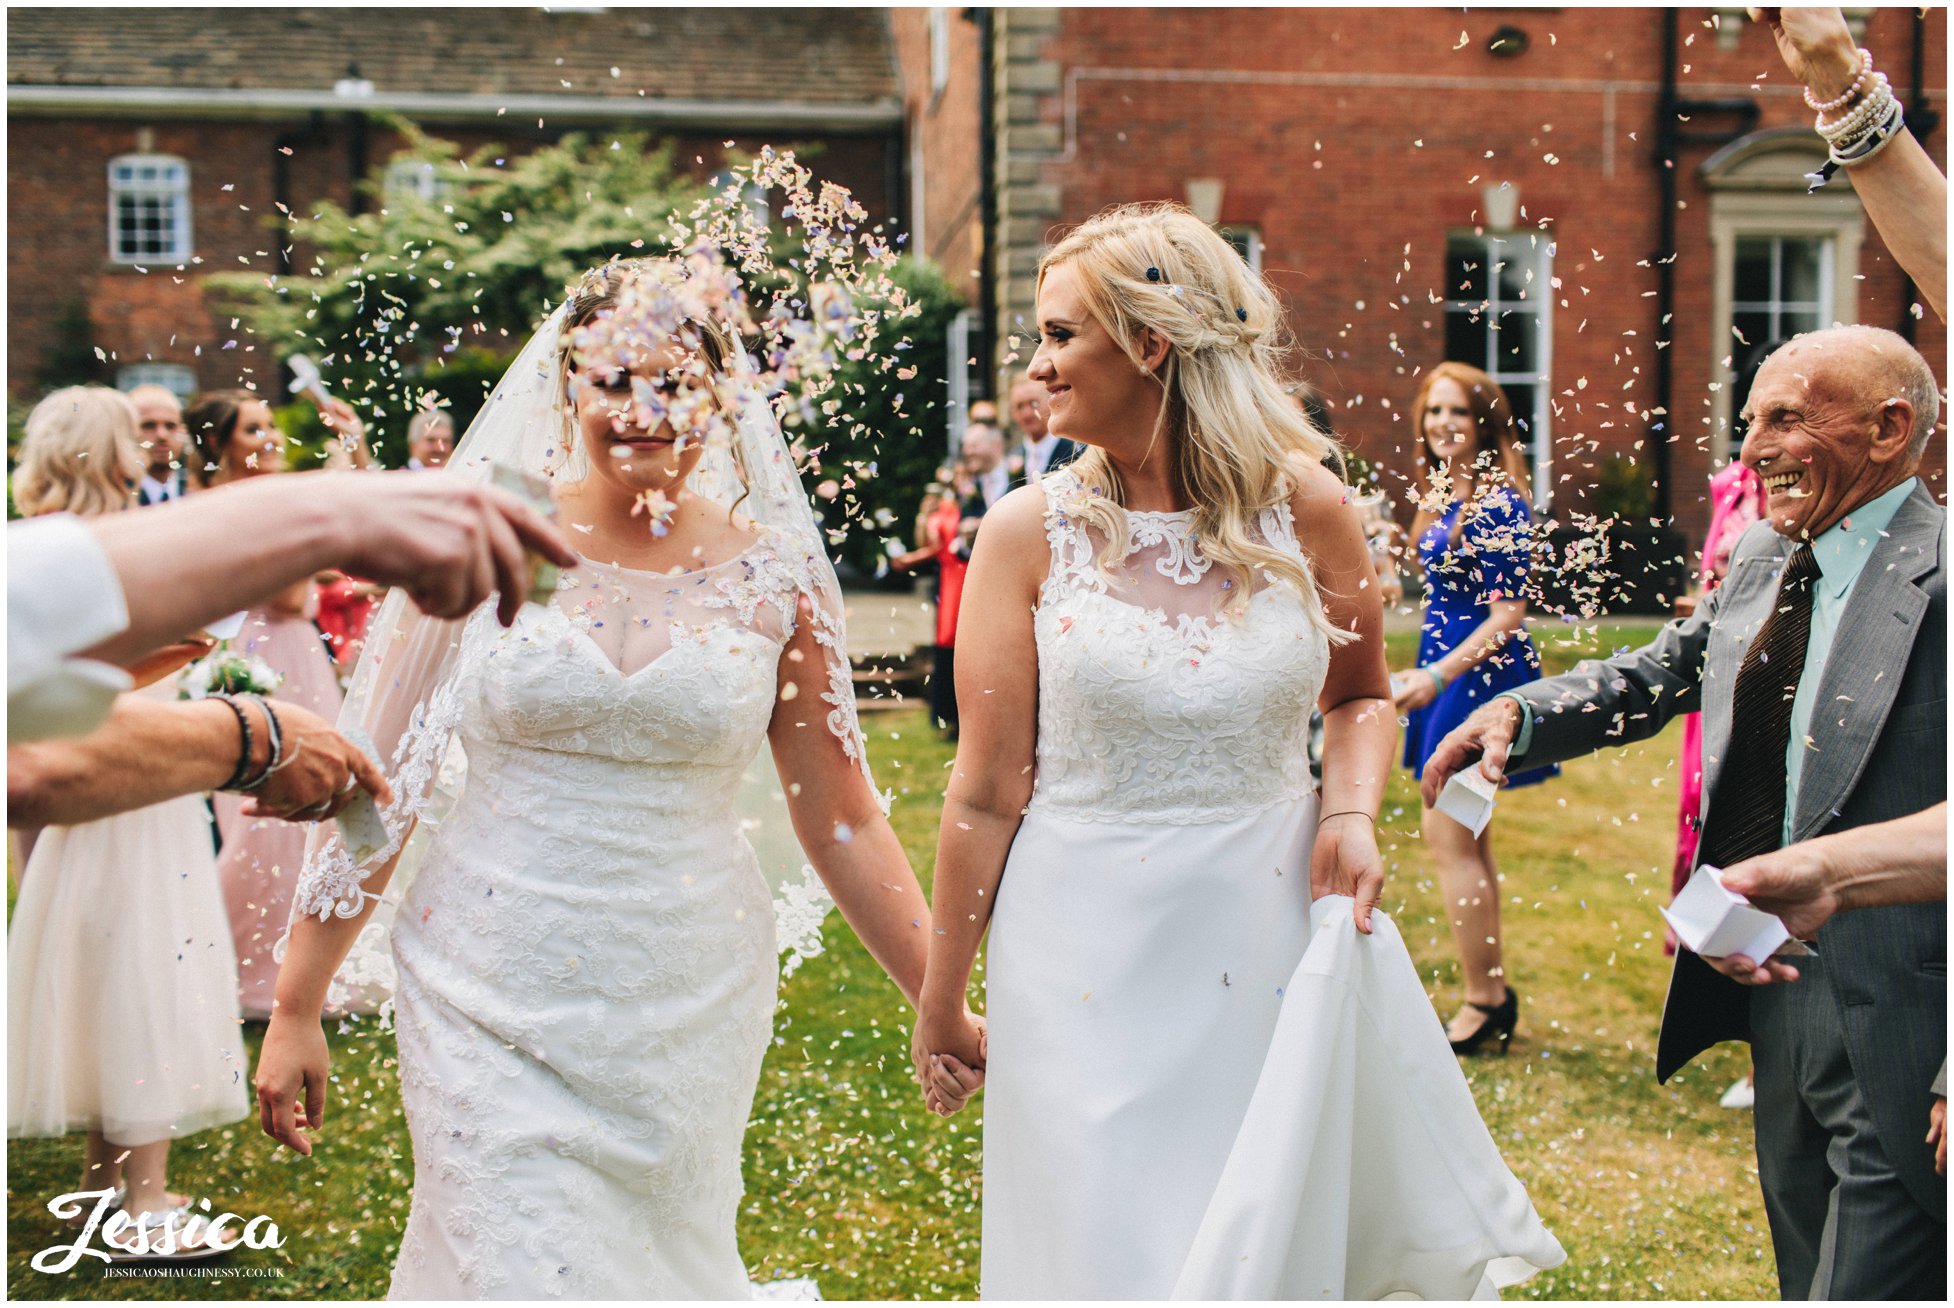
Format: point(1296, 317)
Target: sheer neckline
point(764, 537)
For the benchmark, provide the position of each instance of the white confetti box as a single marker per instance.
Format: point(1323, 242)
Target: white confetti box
point(1468, 799)
point(1715, 922)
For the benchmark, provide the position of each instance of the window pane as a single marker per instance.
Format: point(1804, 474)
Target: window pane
point(1521, 396)
point(1465, 337)
point(1801, 270)
point(1465, 274)
point(1753, 280)
point(1753, 329)
point(1515, 277)
point(1516, 342)
point(1793, 321)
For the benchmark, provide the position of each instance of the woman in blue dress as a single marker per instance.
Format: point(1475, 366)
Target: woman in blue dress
point(1473, 535)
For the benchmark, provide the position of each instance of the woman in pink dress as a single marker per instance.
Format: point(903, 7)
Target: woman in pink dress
point(261, 858)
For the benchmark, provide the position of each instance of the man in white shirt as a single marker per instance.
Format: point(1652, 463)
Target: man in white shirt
point(1042, 451)
point(163, 437)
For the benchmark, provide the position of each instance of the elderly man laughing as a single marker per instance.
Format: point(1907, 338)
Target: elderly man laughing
point(1820, 668)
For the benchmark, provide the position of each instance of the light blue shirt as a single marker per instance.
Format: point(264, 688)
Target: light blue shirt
point(1841, 552)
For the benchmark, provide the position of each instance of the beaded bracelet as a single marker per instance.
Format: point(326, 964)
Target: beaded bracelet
point(1868, 111)
point(274, 730)
point(244, 733)
point(1865, 67)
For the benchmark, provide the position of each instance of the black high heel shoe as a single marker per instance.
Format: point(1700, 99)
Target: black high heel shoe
point(1501, 1018)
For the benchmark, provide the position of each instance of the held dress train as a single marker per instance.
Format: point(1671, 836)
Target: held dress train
point(1200, 1084)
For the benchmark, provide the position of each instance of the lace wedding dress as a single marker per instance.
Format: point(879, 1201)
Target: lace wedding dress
point(585, 958)
point(1196, 1078)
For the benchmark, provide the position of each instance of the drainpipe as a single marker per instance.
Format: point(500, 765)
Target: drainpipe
point(281, 181)
point(987, 193)
point(1665, 268)
point(1921, 121)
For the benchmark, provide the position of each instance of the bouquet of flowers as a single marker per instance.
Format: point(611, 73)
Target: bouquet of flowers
point(227, 671)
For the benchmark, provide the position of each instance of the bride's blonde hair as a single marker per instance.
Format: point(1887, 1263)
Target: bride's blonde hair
point(1232, 431)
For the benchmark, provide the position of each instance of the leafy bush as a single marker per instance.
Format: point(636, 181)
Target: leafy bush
point(1623, 491)
point(431, 294)
point(893, 431)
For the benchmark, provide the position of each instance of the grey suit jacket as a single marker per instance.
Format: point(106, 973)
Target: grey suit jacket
point(1878, 750)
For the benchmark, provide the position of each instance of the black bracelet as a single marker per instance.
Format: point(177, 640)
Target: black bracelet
point(244, 734)
point(277, 742)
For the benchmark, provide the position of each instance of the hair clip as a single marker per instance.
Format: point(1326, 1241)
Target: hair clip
point(1153, 274)
point(1242, 314)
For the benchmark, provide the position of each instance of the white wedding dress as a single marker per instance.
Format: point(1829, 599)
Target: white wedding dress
point(586, 958)
point(1199, 1084)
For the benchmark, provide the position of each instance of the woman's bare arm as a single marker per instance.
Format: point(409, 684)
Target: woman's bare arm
point(990, 782)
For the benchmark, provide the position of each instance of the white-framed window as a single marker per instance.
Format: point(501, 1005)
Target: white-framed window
point(149, 209)
point(412, 179)
point(1783, 261)
point(1780, 286)
point(939, 50)
point(179, 380)
point(1498, 318)
point(1248, 243)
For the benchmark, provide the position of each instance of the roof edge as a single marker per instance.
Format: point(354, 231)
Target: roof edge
point(43, 101)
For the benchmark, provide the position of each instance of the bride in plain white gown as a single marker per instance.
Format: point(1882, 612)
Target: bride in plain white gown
point(586, 958)
point(1202, 1084)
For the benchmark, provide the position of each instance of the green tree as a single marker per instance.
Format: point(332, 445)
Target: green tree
point(428, 298)
point(431, 295)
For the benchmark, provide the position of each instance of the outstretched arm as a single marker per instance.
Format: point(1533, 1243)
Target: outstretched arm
point(447, 543)
point(1904, 193)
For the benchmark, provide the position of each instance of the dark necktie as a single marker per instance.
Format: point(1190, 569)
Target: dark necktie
point(1747, 808)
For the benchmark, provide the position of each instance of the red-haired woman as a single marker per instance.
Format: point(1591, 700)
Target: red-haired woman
point(1473, 534)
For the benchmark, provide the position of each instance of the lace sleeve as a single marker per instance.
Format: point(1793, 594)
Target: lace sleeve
point(798, 582)
point(404, 705)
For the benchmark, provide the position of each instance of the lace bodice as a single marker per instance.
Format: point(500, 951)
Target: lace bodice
point(1163, 694)
point(675, 676)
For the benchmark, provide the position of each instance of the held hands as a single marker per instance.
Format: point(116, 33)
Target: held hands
point(948, 1055)
point(1487, 736)
point(293, 1062)
point(1345, 861)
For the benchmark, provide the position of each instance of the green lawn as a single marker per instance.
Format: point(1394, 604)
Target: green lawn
point(1652, 1189)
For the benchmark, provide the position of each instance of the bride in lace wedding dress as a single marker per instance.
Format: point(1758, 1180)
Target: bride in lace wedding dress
point(585, 959)
point(1202, 1084)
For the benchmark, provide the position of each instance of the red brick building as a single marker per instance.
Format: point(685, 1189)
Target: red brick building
point(1425, 183)
point(149, 146)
